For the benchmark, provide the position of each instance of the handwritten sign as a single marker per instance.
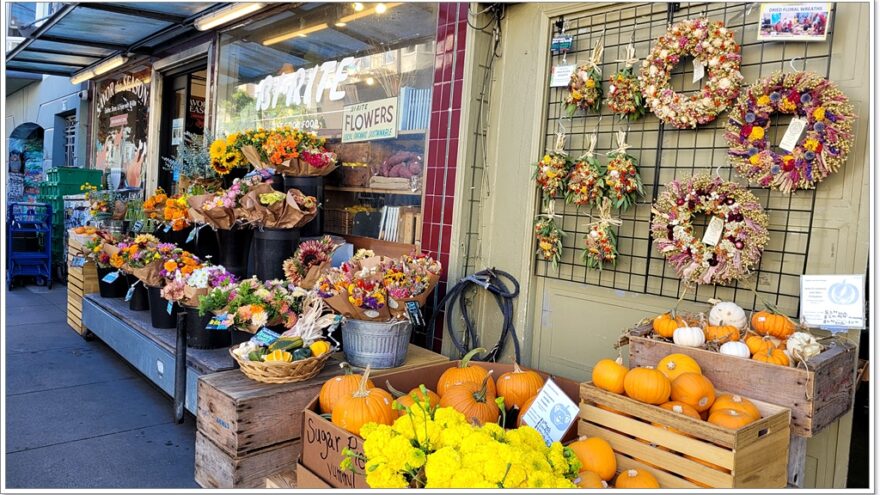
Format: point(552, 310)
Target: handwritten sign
point(561, 75)
point(370, 121)
point(552, 413)
point(833, 302)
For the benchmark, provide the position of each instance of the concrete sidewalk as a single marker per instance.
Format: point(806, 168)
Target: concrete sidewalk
point(77, 416)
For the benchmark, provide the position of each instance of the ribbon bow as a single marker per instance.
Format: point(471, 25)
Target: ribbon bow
point(559, 147)
point(621, 143)
point(605, 218)
point(630, 58)
point(591, 147)
point(596, 57)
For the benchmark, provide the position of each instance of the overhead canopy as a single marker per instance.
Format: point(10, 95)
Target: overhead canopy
point(78, 35)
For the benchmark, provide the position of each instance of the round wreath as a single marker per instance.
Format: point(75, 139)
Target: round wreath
point(821, 150)
point(743, 236)
point(711, 44)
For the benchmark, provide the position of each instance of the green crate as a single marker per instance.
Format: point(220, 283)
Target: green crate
point(74, 176)
point(60, 190)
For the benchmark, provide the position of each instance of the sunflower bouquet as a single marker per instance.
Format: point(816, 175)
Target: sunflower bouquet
point(225, 155)
point(309, 261)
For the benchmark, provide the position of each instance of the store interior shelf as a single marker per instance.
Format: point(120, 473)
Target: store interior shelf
point(384, 248)
point(400, 192)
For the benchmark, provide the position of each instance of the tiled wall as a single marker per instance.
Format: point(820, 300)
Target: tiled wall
point(442, 156)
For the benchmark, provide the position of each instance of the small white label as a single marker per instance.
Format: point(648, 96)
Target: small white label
point(561, 75)
point(699, 70)
point(833, 302)
point(793, 134)
point(552, 413)
point(714, 231)
point(160, 367)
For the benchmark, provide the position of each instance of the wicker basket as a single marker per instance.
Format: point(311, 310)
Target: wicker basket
point(338, 221)
point(280, 371)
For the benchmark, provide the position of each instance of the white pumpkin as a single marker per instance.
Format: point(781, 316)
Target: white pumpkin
point(689, 336)
point(802, 346)
point(727, 313)
point(737, 349)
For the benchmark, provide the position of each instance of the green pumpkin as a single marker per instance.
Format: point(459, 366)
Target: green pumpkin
point(302, 353)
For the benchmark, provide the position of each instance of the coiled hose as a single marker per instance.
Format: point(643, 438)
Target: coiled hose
point(490, 280)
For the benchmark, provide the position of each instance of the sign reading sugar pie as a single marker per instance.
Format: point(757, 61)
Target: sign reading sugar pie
point(369, 121)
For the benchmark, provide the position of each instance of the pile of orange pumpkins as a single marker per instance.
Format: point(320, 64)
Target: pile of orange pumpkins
point(766, 339)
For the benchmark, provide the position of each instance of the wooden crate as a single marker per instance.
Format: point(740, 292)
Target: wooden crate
point(756, 455)
point(214, 468)
point(284, 480)
point(817, 397)
point(80, 281)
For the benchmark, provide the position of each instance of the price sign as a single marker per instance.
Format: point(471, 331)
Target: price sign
point(415, 313)
point(111, 277)
point(552, 412)
point(561, 75)
point(130, 293)
point(220, 322)
point(138, 226)
point(78, 262)
point(265, 337)
point(168, 307)
point(561, 44)
point(833, 302)
point(167, 228)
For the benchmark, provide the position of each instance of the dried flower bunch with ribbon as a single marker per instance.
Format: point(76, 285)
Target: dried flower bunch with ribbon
point(826, 141)
point(586, 185)
point(551, 173)
point(600, 243)
point(549, 237)
point(585, 85)
point(712, 45)
point(622, 180)
point(738, 245)
point(624, 94)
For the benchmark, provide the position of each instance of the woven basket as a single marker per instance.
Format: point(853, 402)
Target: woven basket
point(280, 371)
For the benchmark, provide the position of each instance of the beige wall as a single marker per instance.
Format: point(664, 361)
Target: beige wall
point(564, 327)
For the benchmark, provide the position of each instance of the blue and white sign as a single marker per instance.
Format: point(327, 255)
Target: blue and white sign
point(833, 302)
point(552, 413)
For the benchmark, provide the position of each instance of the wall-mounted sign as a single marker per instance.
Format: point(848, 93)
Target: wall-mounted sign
point(833, 301)
point(794, 21)
point(304, 87)
point(371, 120)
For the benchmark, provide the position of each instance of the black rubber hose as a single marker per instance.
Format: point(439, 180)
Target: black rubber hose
point(490, 280)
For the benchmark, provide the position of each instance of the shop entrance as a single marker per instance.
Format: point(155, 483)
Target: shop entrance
point(183, 115)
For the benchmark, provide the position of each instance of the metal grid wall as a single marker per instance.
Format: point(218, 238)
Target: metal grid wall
point(667, 153)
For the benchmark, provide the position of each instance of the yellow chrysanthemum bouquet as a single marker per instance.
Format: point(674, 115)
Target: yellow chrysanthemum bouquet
point(437, 448)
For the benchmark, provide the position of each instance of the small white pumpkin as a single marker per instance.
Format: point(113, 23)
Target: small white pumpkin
point(737, 349)
point(802, 346)
point(727, 313)
point(689, 336)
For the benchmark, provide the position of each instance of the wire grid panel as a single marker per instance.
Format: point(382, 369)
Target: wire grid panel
point(666, 153)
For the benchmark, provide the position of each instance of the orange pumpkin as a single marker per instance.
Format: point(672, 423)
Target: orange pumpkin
point(721, 333)
point(729, 418)
point(636, 478)
point(589, 479)
point(676, 364)
point(694, 390)
point(338, 387)
point(596, 455)
point(772, 356)
point(525, 407)
point(737, 403)
point(518, 386)
point(427, 399)
point(647, 385)
point(474, 400)
point(772, 324)
point(608, 375)
point(681, 408)
point(758, 344)
point(665, 325)
point(465, 372)
point(364, 405)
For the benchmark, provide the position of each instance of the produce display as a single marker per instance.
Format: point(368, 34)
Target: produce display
point(402, 164)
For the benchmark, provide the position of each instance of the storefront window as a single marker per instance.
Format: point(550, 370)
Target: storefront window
point(359, 75)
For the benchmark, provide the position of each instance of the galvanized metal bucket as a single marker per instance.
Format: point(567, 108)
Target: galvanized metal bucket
point(379, 344)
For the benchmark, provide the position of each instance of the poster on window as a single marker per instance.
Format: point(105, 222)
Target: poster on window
point(121, 115)
point(195, 122)
point(794, 21)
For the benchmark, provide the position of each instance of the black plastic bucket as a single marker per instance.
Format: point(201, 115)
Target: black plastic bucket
point(235, 247)
point(116, 288)
point(278, 182)
point(235, 173)
point(310, 186)
point(173, 236)
point(140, 299)
point(271, 248)
point(205, 244)
point(159, 316)
point(237, 336)
point(198, 337)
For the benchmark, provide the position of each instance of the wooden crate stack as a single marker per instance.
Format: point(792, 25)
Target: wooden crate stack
point(81, 280)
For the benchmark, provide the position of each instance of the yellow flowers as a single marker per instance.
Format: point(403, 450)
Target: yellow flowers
point(757, 133)
point(819, 113)
point(546, 160)
point(755, 159)
point(764, 100)
point(218, 148)
point(811, 144)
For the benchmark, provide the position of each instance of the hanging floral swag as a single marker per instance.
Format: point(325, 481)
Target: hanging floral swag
point(743, 233)
point(585, 85)
point(712, 45)
point(551, 173)
point(622, 179)
point(624, 95)
point(821, 151)
point(586, 183)
point(549, 237)
point(600, 243)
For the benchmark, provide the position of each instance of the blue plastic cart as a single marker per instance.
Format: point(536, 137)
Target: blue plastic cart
point(29, 242)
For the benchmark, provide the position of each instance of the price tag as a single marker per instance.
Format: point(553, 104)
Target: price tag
point(561, 44)
point(192, 235)
point(138, 226)
point(560, 75)
point(552, 412)
point(265, 337)
point(833, 302)
point(415, 313)
point(130, 293)
point(220, 322)
point(793, 134)
point(111, 277)
point(78, 262)
point(699, 70)
point(713, 232)
point(168, 307)
point(167, 228)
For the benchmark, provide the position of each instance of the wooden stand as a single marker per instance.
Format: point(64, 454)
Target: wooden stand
point(80, 281)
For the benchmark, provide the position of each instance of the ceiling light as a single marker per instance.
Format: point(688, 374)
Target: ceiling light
point(226, 15)
point(340, 24)
point(299, 33)
point(370, 81)
point(110, 64)
point(358, 6)
point(381, 8)
point(82, 76)
point(368, 12)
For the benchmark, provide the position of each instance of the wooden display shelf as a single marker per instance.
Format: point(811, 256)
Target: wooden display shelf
point(398, 192)
point(384, 248)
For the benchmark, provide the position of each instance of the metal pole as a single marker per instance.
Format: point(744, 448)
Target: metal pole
point(180, 369)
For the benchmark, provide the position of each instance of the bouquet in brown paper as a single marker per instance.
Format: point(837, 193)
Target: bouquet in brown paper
point(189, 289)
point(221, 209)
point(355, 289)
point(289, 151)
point(410, 278)
point(266, 207)
point(310, 260)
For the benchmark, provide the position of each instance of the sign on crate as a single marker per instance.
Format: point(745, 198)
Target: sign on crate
point(552, 413)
